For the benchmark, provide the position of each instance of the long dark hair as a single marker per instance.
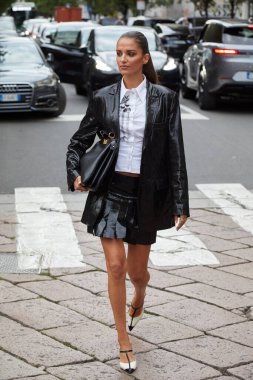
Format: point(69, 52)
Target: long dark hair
point(148, 69)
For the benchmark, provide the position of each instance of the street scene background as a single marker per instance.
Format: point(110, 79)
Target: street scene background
point(218, 145)
point(56, 321)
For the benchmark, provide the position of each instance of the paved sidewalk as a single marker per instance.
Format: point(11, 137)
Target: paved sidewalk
point(198, 321)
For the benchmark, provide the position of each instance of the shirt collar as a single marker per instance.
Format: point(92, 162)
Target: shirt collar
point(141, 89)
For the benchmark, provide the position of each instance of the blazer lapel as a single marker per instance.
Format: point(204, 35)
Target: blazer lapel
point(152, 100)
point(113, 108)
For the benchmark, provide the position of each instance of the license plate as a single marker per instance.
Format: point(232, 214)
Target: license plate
point(249, 75)
point(10, 98)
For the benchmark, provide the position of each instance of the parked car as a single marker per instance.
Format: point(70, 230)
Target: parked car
point(101, 68)
point(220, 64)
point(7, 26)
point(64, 51)
point(110, 21)
point(195, 24)
point(46, 33)
point(175, 39)
point(30, 27)
point(149, 21)
point(27, 82)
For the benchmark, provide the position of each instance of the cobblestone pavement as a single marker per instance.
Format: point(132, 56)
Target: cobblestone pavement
point(198, 319)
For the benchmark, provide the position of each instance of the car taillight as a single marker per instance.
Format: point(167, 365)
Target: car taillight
point(250, 26)
point(225, 51)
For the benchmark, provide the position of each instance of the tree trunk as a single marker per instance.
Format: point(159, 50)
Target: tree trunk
point(232, 8)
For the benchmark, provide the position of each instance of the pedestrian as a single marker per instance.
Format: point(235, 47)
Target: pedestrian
point(148, 190)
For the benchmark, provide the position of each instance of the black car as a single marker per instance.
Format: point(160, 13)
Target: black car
point(64, 52)
point(101, 69)
point(27, 82)
point(175, 39)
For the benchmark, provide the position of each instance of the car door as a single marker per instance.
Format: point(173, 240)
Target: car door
point(67, 58)
point(88, 54)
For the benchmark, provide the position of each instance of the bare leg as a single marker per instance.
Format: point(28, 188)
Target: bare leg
point(116, 267)
point(137, 264)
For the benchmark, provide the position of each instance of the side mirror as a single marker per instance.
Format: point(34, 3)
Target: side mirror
point(50, 58)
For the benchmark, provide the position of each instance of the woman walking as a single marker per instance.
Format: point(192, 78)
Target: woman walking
point(148, 188)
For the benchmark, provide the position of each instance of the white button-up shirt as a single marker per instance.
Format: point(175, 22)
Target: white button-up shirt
point(132, 119)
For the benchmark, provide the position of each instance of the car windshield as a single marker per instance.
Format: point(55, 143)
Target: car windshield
point(238, 35)
point(19, 54)
point(105, 40)
point(66, 37)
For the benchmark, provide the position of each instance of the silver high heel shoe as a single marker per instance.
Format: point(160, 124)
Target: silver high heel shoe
point(132, 320)
point(129, 367)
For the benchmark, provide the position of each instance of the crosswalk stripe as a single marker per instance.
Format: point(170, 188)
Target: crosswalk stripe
point(191, 114)
point(180, 248)
point(188, 114)
point(45, 234)
point(234, 199)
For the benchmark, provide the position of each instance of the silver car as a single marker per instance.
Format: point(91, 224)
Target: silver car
point(220, 64)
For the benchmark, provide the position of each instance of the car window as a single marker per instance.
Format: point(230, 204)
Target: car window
point(158, 29)
point(198, 21)
point(21, 54)
point(6, 25)
point(238, 35)
point(142, 23)
point(66, 37)
point(85, 36)
point(106, 40)
point(213, 33)
point(48, 31)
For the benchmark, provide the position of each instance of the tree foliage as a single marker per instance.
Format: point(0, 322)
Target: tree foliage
point(47, 7)
point(112, 7)
point(233, 5)
point(4, 4)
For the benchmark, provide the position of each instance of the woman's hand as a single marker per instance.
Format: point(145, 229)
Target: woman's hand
point(78, 185)
point(180, 221)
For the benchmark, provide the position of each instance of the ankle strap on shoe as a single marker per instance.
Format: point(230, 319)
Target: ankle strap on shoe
point(126, 350)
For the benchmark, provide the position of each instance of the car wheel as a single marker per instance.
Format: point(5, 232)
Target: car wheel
point(80, 90)
point(206, 100)
point(187, 93)
point(62, 100)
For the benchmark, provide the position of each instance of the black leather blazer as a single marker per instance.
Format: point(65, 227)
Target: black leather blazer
point(163, 190)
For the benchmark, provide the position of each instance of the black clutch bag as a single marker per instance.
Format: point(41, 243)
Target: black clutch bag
point(95, 165)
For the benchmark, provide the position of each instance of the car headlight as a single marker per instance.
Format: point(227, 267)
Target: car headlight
point(102, 66)
point(49, 82)
point(170, 65)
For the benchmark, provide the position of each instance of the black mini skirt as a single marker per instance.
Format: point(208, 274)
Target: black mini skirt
point(117, 218)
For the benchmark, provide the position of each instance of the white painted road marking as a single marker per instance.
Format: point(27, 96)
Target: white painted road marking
point(189, 114)
point(180, 248)
point(45, 234)
point(234, 200)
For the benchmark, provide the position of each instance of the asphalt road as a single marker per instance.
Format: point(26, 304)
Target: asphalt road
point(218, 149)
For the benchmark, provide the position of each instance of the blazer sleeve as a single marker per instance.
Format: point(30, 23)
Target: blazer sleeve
point(82, 139)
point(177, 165)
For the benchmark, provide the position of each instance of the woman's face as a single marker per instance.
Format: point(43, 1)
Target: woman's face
point(130, 57)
